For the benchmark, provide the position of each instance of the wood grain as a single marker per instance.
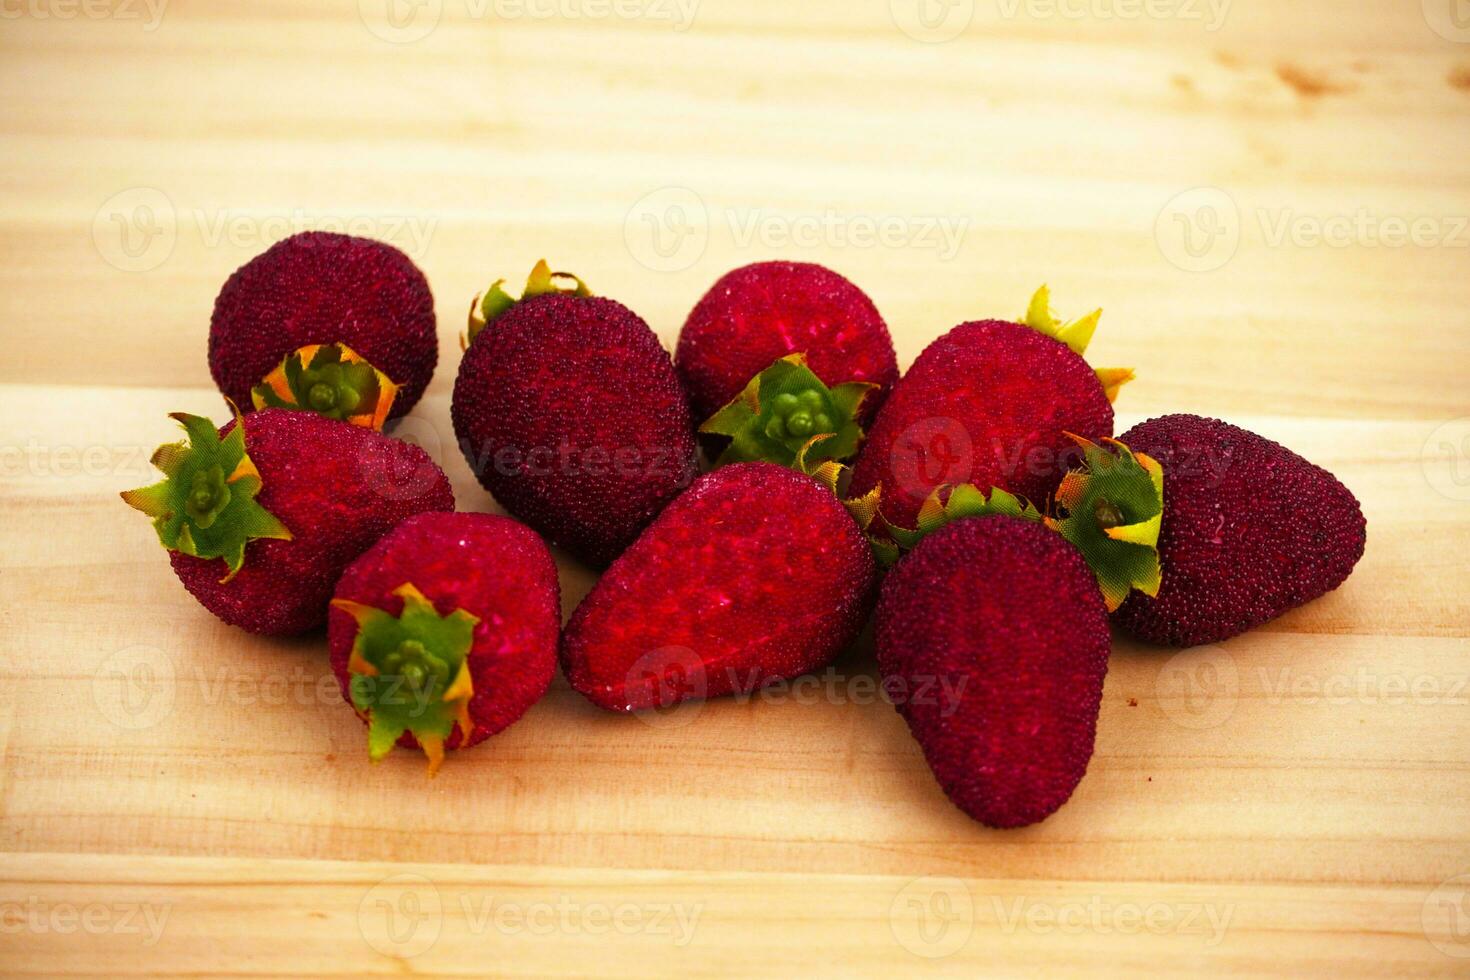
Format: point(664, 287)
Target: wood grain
point(1292, 802)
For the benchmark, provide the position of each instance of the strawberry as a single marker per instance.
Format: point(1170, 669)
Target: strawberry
point(759, 313)
point(327, 323)
point(1250, 531)
point(755, 573)
point(993, 643)
point(989, 403)
point(444, 632)
point(261, 517)
point(570, 414)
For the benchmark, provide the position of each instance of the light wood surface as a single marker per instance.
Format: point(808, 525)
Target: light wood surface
point(179, 798)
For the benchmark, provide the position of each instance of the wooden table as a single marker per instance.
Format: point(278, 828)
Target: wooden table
point(1271, 206)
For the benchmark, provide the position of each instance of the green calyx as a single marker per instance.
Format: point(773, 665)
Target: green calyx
point(206, 507)
point(1076, 334)
point(944, 506)
point(785, 411)
point(495, 301)
point(410, 673)
point(331, 380)
point(1112, 510)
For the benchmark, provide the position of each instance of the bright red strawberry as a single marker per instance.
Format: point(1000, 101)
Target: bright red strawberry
point(329, 323)
point(989, 403)
point(444, 632)
point(570, 413)
point(993, 642)
point(1250, 531)
point(261, 518)
point(755, 573)
point(760, 313)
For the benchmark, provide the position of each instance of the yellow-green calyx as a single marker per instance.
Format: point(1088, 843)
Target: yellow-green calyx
point(410, 673)
point(331, 380)
point(783, 410)
point(945, 505)
point(1112, 510)
point(206, 507)
point(495, 301)
point(1076, 334)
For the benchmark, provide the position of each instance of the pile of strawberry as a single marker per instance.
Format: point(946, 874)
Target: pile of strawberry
point(990, 523)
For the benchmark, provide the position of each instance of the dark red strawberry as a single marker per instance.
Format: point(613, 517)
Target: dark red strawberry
point(261, 517)
point(993, 642)
point(1250, 531)
point(444, 632)
point(570, 413)
point(333, 324)
point(760, 313)
point(755, 573)
point(989, 403)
